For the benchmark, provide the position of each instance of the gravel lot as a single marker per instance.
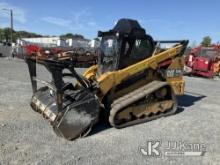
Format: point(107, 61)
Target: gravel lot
point(26, 138)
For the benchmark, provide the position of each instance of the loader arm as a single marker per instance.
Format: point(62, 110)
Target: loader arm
point(111, 79)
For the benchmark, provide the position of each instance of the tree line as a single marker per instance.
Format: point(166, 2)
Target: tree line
point(5, 35)
point(206, 41)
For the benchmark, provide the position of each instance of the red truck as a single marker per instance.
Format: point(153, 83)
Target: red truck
point(204, 61)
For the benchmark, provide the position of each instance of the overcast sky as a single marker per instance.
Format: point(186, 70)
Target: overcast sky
point(163, 19)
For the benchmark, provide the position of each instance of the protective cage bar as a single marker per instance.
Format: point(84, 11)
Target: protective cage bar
point(56, 69)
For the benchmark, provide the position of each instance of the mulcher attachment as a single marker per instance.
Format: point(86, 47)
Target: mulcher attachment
point(80, 111)
point(72, 112)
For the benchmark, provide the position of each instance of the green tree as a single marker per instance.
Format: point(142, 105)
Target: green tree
point(7, 34)
point(206, 41)
point(15, 37)
point(1, 35)
point(71, 35)
point(24, 34)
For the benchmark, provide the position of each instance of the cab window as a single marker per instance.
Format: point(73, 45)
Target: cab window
point(141, 49)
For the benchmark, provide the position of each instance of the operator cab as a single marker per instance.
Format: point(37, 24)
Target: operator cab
point(124, 45)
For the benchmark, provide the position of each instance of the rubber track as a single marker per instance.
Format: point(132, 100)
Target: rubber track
point(134, 96)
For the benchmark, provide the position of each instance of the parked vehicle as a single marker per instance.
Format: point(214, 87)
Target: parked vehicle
point(204, 61)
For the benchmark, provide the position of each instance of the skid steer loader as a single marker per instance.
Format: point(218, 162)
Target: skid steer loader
point(134, 81)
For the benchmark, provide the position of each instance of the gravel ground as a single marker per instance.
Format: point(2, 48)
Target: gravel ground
point(26, 138)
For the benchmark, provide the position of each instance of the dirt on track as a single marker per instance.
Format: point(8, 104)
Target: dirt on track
point(26, 138)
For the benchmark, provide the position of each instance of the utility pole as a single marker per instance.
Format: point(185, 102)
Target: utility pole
point(11, 12)
point(11, 15)
point(11, 38)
